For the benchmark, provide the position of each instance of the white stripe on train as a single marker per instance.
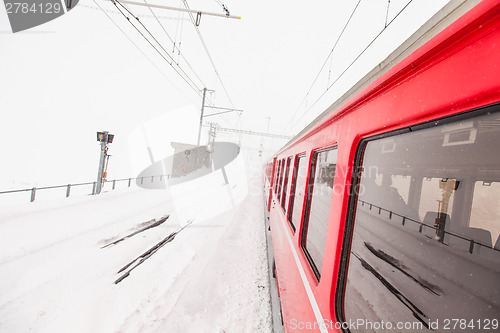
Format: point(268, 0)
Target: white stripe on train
point(310, 295)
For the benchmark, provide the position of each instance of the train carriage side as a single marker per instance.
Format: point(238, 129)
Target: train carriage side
point(386, 213)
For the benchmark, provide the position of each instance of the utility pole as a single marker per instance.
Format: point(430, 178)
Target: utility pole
point(201, 116)
point(104, 138)
point(213, 114)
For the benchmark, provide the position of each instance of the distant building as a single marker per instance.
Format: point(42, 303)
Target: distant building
point(188, 158)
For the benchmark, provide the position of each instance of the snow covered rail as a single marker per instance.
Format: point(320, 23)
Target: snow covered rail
point(146, 255)
point(153, 224)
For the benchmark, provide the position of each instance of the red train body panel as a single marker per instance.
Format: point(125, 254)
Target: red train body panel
point(455, 72)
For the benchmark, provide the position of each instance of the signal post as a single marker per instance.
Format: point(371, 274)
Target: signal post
point(104, 138)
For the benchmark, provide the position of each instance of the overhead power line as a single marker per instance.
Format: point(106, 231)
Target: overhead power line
point(173, 42)
point(158, 47)
point(159, 17)
point(195, 23)
point(324, 63)
point(387, 24)
point(139, 49)
point(208, 53)
point(234, 130)
point(176, 67)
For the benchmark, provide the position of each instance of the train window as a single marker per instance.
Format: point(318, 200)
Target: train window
point(287, 181)
point(277, 178)
point(423, 245)
point(485, 212)
point(280, 185)
point(297, 191)
point(317, 211)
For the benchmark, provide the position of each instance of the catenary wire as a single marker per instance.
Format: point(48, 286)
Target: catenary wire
point(207, 99)
point(159, 17)
point(352, 63)
point(184, 76)
point(172, 41)
point(142, 52)
point(157, 42)
point(324, 63)
point(208, 54)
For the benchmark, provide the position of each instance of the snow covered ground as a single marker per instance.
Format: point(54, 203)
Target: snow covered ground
point(55, 275)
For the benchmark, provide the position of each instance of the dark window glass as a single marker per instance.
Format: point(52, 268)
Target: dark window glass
point(425, 249)
point(287, 181)
point(297, 192)
point(319, 198)
point(281, 179)
point(277, 178)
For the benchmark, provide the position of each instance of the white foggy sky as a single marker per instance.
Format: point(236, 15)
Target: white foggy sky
point(64, 80)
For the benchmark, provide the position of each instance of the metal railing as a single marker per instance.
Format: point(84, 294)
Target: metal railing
point(421, 225)
point(68, 187)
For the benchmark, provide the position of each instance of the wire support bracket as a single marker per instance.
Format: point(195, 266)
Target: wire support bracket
point(198, 19)
point(197, 12)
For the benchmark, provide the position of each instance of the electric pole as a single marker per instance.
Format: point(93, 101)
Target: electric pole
point(201, 116)
point(227, 110)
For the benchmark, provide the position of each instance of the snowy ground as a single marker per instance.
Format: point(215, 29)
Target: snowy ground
point(212, 277)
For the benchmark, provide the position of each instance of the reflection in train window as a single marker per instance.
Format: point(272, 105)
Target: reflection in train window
point(485, 212)
point(317, 211)
point(424, 242)
point(287, 181)
point(297, 191)
point(280, 185)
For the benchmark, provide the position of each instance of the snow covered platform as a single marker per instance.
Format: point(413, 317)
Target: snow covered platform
point(59, 260)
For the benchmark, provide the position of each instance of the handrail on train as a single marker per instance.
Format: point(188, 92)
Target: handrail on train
point(421, 224)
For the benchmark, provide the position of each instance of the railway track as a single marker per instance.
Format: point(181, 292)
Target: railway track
point(153, 224)
point(147, 254)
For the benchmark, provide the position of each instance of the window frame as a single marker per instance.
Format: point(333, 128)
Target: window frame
point(277, 178)
point(355, 183)
point(285, 182)
point(280, 184)
point(307, 207)
point(293, 189)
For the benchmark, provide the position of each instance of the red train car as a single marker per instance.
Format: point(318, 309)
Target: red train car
point(385, 213)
